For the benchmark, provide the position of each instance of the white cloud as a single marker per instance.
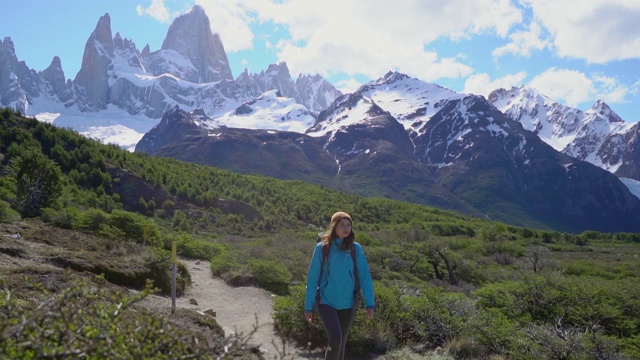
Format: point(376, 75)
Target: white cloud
point(348, 86)
point(609, 90)
point(156, 10)
point(481, 84)
point(598, 31)
point(231, 21)
point(371, 37)
point(572, 86)
point(523, 42)
point(575, 87)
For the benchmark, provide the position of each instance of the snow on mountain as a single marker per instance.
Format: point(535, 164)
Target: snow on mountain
point(554, 123)
point(269, 111)
point(104, 126)
point(597, 135)
point(120, 93)
point(347, 110)
point(411, 101)
point(314, 92)
point(598, 124)
point(633, 185)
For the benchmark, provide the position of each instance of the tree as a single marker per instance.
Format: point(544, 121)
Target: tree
point(537, 256)
point(38, 181)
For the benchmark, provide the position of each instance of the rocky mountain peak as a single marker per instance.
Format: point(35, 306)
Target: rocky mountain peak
point(6, 45)
point(92, 79)
point(54, 71)
point(393, 76)
point(190, 36)
point(602, 110)
point(102, 32)
point(146, 51)
point(277, 77)
point(55, 79)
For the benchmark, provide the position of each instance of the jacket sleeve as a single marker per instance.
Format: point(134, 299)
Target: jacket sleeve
point(312, 278)
point(364, 275)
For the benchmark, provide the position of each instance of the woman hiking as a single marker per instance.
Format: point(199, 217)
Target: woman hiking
point(337, 272)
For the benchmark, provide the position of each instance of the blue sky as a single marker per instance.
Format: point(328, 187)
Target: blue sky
point(574, 51)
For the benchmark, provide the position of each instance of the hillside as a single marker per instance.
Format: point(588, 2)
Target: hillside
point(475, 288)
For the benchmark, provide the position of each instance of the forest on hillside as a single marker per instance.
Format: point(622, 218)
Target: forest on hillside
point(477, 288)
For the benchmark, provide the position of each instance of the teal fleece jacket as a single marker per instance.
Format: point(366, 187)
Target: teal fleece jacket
point(338, 281)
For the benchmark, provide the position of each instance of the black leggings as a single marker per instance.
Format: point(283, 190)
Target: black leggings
point(337, 323)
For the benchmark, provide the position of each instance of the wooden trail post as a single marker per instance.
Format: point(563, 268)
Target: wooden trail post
point(173, 277)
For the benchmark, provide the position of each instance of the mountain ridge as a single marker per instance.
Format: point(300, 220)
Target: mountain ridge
point(396, 136)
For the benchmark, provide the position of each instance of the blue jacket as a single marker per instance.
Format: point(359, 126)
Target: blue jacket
point(338, 281)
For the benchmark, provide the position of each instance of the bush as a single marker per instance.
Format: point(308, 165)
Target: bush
point(38, 181)
point(289, 321)
point(135, 227)
point(271, 275)
point(89, 322)
point(65, 218)
point(92, 220)
point(196, 248)
point(160, 268)
point(7, 214)
point(377, 336)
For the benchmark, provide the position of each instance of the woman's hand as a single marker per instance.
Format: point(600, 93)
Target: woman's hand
point(308, 317)
point(370, 313)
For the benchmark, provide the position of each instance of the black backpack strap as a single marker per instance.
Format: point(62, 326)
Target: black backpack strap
point(356, 290)
point(325, 259)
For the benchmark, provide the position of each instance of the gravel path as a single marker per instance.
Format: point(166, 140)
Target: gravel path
point(237, 309)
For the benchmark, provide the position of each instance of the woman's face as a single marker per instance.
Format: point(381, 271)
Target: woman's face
point(343, 228)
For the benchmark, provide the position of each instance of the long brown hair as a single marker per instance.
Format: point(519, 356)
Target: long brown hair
point(330, 234)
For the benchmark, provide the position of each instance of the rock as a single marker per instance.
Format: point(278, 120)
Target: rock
point(193, 301)
point(210, 312)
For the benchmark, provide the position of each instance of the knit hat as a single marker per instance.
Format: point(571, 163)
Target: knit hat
point(340, 215)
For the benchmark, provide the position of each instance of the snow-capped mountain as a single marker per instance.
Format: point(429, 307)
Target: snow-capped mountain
point(597, 135)
point(121, 90)
point(396, 137)
point(411, 101)
point(270, 110)
point(461, 154)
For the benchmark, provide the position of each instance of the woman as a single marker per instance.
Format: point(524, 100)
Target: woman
point(333, 281)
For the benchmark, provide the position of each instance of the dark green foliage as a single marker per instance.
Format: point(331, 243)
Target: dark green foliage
point(271, 275)
point(89, 322)
point(475, 287)
point(38, 181)
point(134, 227)
point(7, 214)
point(160, 272)
point(193, 248)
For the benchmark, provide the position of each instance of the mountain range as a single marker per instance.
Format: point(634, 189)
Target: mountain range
point(515, 156)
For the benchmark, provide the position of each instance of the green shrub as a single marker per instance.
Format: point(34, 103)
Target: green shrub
point(497, 333)
point(65, 218)
point(376, 336)
point(91, 220)
point(7, 214)
point(110, 232)
point(271, 275)
point(160, 272)
point(135, 227)
point(289, 322)
point(196, 248)
point(90, 322)
point(632, 347)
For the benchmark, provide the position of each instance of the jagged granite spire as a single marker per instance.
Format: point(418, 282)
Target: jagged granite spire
point(54, 77)
point(92, 79)
point(17, 82)
point(190, 35)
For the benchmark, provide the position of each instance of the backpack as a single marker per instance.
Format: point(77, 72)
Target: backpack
point(325, 259)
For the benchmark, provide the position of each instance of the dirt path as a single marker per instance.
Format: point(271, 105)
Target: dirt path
point(236, 309)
